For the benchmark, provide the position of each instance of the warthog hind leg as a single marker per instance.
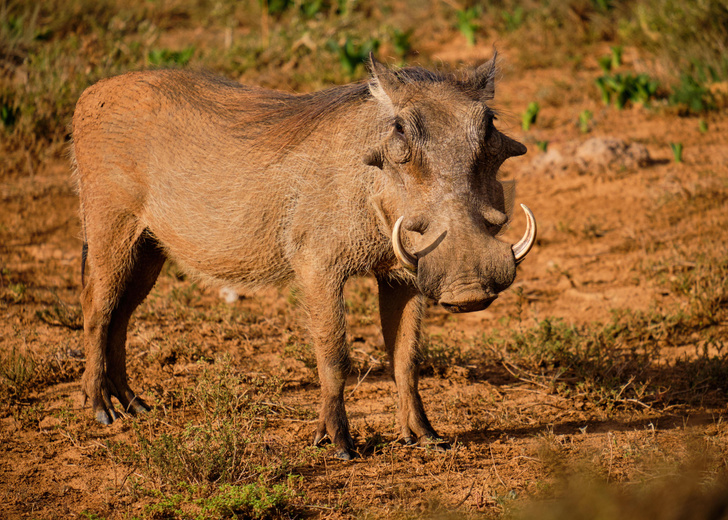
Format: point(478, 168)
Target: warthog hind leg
point(401, 307)
point(124, 265)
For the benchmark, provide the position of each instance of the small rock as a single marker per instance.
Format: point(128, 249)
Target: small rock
point(601, 153)
point(229, 294)
point(549, 161)
point(594, 155)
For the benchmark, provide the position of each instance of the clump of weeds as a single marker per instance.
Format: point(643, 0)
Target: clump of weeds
point(17, 371)
point(207, 449)
point(622, 88)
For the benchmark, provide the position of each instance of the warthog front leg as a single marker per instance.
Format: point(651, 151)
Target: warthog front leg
point(327, 325)
point(401, 307)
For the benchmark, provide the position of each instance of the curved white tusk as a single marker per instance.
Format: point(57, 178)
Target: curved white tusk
point(407, 260)
point(521, 249)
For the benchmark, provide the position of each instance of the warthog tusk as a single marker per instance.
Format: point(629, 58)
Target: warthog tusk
point(521, 249)
point(407, 260)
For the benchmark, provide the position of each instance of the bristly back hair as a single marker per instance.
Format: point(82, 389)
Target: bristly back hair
point(284, 120)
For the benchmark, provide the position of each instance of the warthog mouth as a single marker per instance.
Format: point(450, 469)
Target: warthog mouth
point(468, 306)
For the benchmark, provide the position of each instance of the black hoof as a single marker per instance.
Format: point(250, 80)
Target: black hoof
point(345, 455)
point(320, 439)
point(106, 418)
point(137, 405)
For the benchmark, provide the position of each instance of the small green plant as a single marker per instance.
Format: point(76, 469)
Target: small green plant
point(513, 20)
point(401, 42)
point(467, 22)
point(168, 58)
point(352, 54)
point(167, 506)
point(585, 117)
point(692, 95)
point(616, 56)
point(256, 500)
point(623, 88)
point(677, 151)
point(9, 113)
point(702, 126)
point(542, 145)
point(276, 7)
point(529, 117)
point(603, 5)
point(605, 63)
point(311, 8)
point(17, 291)
point(611, 61)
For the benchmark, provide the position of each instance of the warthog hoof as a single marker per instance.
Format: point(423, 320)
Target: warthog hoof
point(137, 405)
point(106, 417)
point(100, 396)
point(345, 452)
point(344, 455)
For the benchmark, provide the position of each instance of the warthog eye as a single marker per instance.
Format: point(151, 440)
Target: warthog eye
point(398, 127)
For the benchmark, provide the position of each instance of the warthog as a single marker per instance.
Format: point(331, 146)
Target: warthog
point(242, 186)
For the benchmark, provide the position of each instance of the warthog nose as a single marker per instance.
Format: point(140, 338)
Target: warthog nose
point(468, 306)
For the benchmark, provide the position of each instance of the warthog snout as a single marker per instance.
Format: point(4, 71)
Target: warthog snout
point(468, 276)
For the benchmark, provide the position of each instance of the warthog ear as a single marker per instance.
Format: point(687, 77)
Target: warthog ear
point(374, 157)
point(483, 78)
point(384, 82)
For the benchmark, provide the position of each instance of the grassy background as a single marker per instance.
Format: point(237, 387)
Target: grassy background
point(51, 50)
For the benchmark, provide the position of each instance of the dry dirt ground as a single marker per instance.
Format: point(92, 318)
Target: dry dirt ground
point(613, 235)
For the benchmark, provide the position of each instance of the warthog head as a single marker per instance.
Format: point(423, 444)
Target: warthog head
point(442, 153)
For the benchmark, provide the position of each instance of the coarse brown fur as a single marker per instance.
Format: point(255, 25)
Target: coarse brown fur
point(249, 187)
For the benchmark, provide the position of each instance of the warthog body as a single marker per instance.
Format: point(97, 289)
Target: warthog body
point(248, 187)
